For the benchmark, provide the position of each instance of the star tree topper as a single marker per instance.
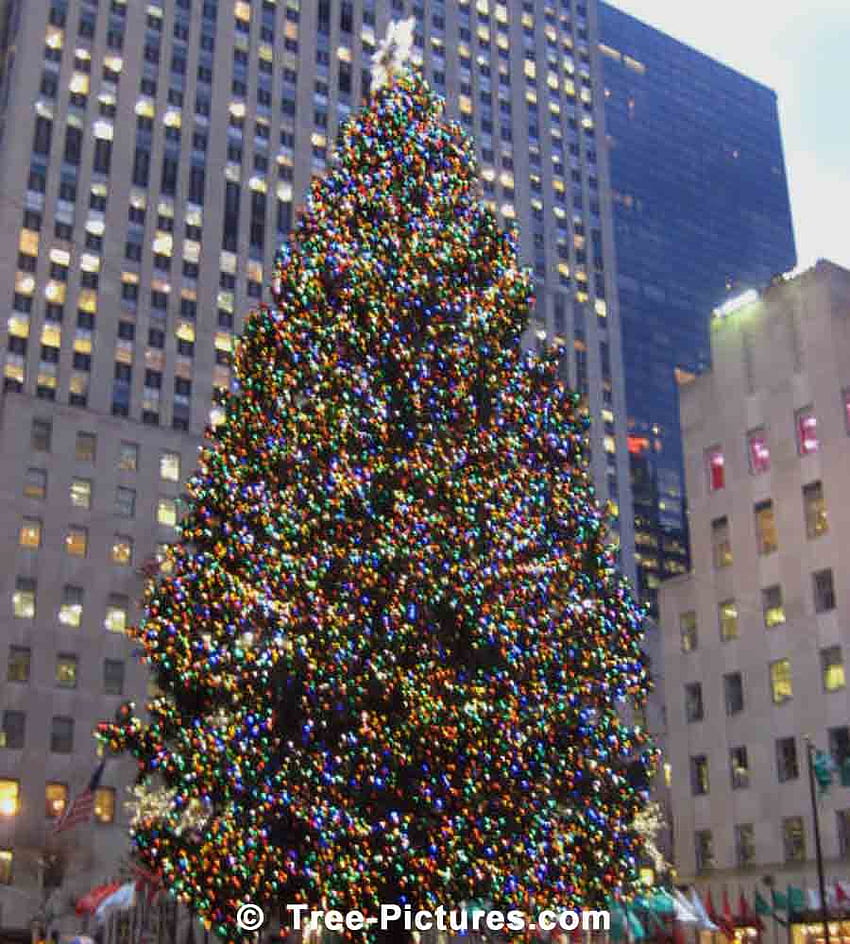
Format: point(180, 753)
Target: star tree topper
point(392, 54)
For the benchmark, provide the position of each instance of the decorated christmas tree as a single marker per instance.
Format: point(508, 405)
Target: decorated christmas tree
point(393, 647)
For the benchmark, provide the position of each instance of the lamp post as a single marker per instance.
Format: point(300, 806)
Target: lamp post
point(810, 756)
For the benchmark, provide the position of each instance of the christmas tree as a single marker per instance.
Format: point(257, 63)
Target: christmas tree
point(392, 643)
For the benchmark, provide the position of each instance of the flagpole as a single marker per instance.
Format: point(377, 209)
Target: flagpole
point(810, 750)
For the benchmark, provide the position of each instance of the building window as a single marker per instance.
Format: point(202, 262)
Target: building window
point(787, 767)
point(843, 823)
point(727, 614)
point(693, 702)
point(66, 670)
point(125, 502)
point(721, 544)
point(23, 599)
point(128, 456)
point(62, 735)
point(122, 550)
point(71, 607)
point(10, 797)
point(699, 775)
point(780, 681)
point(40, 435)
point(814, 509)
point(77, 541)
point(104, 805)
point(823, 590)
point(166, 512)
point(807, 432)
point(832, 666)
point(772, 606)
point(18, 667)
point(14, 730)
point(35, 484)
point(169, 467)
point(839, 748)
point(739, 768)
point(30, 533)
point(715, 468)
point(55, 800)
point(116, 613)
point(704, 850)
point(86, 447)
point(81, 493)
point(733, 691)
point(745, 845)
point(765, 520)
point(688, 630)
point(759, 453)
point(113, 677)
point(6, 866)
point(794, 839)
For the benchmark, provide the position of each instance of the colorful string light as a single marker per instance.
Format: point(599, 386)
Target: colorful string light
point(393, 645)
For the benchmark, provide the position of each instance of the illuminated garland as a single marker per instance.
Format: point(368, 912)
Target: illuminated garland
point(393, 646)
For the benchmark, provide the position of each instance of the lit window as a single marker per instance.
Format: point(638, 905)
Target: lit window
point(780, 681)
point(35, 483)
point(104, 805)
point(6, 861)
point(10, 797)
point(807, 432)
point(55, 799)
point(116, 614)
point(794, 839)
point(699, 775)
point(86, 447)
point(66, 671)
point(728, 619)
point(76, 541)
point(721, 545)
point(128, 456)
point(716, 468)
point(758, 451)
point(772, 606)
point(704, 850)
point(122, 550)
point(814, 510)
point(30, 533)
point(18, 666)
point(688, 630)
point(739, 768)
point(832, 664)
point(81, 493)
point(71, 607)
point(166, 512)
point(23, 599)
point(767, 540)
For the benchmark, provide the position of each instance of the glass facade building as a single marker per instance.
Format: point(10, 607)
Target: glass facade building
point(701, 209)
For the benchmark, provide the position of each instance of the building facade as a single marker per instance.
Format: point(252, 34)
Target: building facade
point(756, 638)
point(700, 209)
point(152, 160)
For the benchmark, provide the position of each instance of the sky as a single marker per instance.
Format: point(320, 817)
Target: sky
point(801, 49)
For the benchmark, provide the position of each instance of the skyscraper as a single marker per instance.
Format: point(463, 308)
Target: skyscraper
point(700, 209)
point(152, 157)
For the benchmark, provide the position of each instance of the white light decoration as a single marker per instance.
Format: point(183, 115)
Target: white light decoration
point(736, 303)
point(394, 51)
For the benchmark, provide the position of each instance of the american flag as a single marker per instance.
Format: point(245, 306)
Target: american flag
point(81, 809)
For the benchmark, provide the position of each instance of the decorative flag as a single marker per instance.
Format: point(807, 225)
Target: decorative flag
point(705, 922)
point(685, 913)
point(81, 809)
point(762, 906)
point(841, 893)
point(727, 918)
point(146, 881)
point(823, 767)
point(88, 904)
point(748, 917)
point(796, 900)
point(123, 897)
point(780, 901)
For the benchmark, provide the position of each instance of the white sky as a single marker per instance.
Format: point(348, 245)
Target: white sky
point(800, 48)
